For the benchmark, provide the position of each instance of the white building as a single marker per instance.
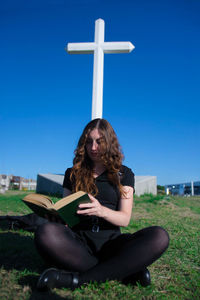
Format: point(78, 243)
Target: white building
point(52, 184)
point(145, 185)
point(28, 184)
point(4, 183)
point(16, 182)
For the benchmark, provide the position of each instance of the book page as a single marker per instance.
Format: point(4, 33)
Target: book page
point(68, 199)
point(39, 199)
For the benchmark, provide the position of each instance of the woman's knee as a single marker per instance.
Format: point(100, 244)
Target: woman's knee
point(45, 232)
point(161, 236)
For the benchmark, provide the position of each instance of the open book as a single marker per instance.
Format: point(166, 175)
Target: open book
point(64, 209)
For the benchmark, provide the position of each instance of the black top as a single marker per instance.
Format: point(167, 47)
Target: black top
point(108, 195)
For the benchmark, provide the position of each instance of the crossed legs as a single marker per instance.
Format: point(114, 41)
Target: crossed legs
point(119, 258)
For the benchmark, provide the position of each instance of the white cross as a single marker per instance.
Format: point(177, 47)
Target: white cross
point(99, 47)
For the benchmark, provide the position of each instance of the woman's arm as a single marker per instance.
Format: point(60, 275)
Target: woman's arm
point(119, 218)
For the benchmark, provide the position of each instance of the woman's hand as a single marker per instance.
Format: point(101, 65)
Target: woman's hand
point(94, 208)
point(121, 217)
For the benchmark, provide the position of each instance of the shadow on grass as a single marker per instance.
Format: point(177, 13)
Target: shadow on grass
point(31, 281)
point(47, 295)
point(17, 251)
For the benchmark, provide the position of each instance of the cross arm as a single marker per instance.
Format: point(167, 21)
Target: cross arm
point(80, 48)
point(117, 47)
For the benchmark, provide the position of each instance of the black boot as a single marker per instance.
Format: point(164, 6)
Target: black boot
point(54, 278)
point(143, 277)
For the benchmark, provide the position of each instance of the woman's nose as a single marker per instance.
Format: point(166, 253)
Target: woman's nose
point(94, 145)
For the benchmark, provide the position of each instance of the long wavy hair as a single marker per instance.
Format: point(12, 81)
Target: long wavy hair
point(111, 156)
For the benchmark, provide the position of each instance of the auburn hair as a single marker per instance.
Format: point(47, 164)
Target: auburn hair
point(82, 171)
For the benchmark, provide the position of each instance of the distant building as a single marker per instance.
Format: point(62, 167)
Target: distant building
point(52, 184)
point(4, 182)
point(28, 184)
point(16, 183)
point(188, 189)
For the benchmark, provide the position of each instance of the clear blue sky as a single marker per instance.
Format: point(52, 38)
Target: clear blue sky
point(151, 96)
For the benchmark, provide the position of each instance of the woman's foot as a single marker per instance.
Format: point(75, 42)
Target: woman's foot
point(143, 277)
point(54, 278)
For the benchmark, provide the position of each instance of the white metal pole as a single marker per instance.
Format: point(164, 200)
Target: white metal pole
point(192, 188)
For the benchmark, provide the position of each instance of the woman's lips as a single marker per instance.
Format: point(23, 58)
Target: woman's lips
point(94, 153)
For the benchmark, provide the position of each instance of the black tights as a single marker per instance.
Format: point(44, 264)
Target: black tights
point(119, 258)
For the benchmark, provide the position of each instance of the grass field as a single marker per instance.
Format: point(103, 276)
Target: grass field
point(176, 275)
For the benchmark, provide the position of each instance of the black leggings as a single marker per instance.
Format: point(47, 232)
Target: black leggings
point(119, 258)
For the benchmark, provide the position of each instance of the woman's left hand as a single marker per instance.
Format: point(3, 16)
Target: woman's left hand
point(94, 208)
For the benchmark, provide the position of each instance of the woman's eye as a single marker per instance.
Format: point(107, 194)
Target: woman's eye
point(88, 142)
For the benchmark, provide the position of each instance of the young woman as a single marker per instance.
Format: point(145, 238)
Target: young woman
point(95, 249)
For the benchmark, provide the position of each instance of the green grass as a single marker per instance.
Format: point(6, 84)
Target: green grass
point(174, 276)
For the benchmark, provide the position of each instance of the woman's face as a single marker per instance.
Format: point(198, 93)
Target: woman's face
point(93, 145)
